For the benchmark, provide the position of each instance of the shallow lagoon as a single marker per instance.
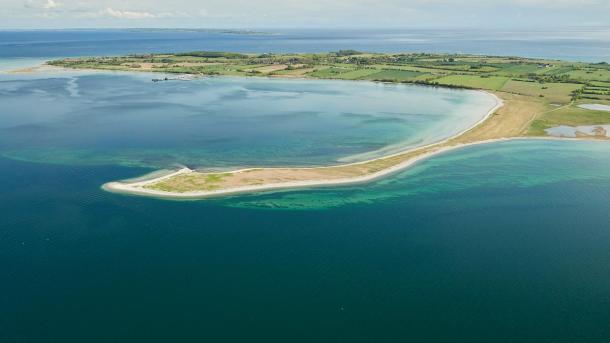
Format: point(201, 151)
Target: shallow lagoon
point(124, 118)
point(575, 131)
point(595, 107)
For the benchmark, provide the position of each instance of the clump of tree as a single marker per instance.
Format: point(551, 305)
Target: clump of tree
point(342, 53)
point(213, 54)
point(576, 94)
point(549, 78)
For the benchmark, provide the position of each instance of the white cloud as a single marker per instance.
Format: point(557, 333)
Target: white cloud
point(559, 3)
point(128, 14)
point(303, 13)
point(42, 4)
point(50, 4)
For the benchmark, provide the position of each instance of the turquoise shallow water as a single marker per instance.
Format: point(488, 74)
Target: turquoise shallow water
point(122, 118)
point(503, 242)
point(516, 164)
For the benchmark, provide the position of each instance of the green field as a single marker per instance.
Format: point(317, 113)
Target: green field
point(560, 93)
point(358, 74)
point(394, 75)
point(600, 84)
point(589, 74)
point(523, 69)
point(596, 91)
point(473, 81)
point(330, 72)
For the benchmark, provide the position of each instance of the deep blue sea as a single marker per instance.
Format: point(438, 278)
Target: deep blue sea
point(506, 242)
point(578, 44)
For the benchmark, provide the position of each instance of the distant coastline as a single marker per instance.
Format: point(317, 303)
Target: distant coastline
point(220, 31)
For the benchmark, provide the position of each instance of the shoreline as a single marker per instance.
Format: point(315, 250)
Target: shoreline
point(175, 185)
point(137, 188)
point(132, 188)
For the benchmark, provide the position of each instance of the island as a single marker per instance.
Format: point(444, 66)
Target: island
point(535, 99)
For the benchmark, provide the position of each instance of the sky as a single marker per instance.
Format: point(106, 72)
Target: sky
point(252, 14)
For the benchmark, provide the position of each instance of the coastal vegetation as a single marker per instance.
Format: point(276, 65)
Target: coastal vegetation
point(557, 81)
point(536, 95)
